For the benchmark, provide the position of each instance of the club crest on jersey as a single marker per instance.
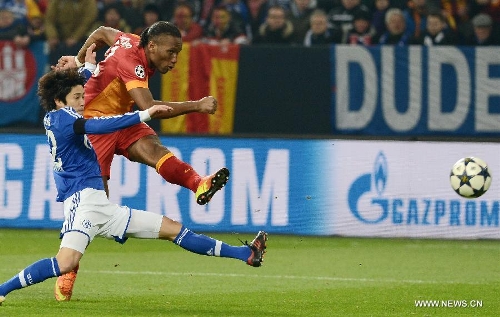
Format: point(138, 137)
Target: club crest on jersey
point(86, 224)
point(139, 71)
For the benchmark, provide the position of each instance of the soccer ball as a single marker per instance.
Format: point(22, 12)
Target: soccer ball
point(470, 177)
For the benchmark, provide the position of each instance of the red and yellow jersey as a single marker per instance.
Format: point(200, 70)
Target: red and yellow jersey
point(125, 67)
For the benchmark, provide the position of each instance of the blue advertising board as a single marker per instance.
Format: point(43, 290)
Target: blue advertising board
point(265, 192)
point(285, 186)
point(415, 90)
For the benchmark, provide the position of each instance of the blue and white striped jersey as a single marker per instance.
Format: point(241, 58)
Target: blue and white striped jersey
point(74, 160)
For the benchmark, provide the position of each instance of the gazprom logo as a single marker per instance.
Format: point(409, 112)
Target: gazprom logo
point(364, 185)
point(370, 204)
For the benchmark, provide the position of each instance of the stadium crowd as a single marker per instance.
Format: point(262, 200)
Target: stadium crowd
point(64, 24)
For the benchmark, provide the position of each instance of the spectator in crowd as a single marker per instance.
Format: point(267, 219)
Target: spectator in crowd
point(437, 32)
point(484, 34)
point(22, 9)
point(184, 21)
point(416, 17)
point(277, 29)
point(150, 15)
point(223, 30)
point(490, 7)
point(362, 32)
point(205, 14)
point(378, 16)
point(239, 13)
point(457, 16)
point(113, 18)
point(455, 12)
point(342, 15)
point(127, 9)
point(131, 10)
point(257, 13)
point(321, 31)
point(12, 29)
point(299, 14)
point(67, 25)
point(396, 33)
point(36, 28)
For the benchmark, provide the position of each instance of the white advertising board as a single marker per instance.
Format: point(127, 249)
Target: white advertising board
point(402, 189)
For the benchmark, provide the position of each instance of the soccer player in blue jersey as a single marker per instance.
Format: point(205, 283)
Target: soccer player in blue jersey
point(87, 210)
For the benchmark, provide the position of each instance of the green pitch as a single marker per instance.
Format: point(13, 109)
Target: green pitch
point(301, 276)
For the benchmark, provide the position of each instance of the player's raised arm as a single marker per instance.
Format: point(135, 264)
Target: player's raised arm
point(101, 37)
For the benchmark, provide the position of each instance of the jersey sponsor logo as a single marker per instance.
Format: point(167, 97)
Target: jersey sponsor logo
point(125, 42)
point(140, 72)
point(17, 71)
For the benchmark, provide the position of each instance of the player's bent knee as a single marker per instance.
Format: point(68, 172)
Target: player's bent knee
point(169, 229)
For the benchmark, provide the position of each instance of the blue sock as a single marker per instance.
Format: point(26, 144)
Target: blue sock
point(202, 244)
point(35, 273)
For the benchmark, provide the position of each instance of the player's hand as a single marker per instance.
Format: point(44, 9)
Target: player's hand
point(207, 105)
point(65, 62)
point(159, 111)
point(90, 55)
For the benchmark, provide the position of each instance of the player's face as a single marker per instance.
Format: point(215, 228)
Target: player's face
point(163, 52)
point(74, 99)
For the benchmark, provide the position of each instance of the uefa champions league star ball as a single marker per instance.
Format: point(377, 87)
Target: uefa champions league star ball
point(470, 177)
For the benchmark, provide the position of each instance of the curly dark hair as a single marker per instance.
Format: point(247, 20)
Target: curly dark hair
point(157, 29)
point(56, 85)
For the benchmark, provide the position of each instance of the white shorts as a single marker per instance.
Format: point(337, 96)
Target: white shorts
point(90, 213)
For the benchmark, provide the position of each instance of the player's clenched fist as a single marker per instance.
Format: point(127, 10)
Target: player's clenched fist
point(207, 105)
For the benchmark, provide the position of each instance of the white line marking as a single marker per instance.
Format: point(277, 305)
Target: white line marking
point(290, 277)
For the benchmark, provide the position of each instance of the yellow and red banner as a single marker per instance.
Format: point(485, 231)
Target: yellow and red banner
point(203, 70)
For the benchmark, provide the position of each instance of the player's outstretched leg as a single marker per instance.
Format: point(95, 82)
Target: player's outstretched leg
point(252, 254)
point(64, 285)
point(209, 185)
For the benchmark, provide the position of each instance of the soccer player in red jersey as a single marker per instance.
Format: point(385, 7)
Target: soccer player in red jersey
point(119, 82)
